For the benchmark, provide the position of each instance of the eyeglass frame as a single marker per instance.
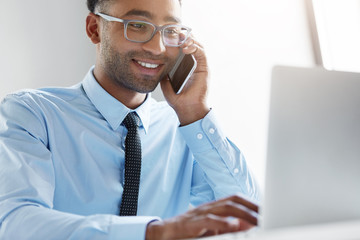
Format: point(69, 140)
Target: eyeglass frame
point(156, 28)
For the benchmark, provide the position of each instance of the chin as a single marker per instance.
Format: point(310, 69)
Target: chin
point(144, 89)
point(147, 86)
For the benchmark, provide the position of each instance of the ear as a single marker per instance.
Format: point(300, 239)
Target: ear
point(92, 28)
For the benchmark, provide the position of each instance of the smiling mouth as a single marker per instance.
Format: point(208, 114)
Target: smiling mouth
point(147, 65)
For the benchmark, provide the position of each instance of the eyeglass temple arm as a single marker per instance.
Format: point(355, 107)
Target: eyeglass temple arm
point(109, 18)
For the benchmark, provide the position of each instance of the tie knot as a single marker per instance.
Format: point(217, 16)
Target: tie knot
point(131, 121)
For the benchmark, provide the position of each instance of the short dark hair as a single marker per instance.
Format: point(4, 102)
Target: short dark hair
point(93, 4)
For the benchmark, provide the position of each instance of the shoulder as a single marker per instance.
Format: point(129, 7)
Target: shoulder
point(42, 104)
point(43, 96)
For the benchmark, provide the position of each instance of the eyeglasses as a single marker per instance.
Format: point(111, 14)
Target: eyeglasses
point(138, 31)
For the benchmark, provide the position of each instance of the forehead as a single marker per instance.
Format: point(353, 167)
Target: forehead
point(156, 10)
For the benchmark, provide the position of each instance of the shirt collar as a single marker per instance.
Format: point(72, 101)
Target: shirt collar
point(110, 108)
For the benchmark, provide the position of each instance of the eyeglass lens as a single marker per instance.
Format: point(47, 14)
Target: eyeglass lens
point(141, 32)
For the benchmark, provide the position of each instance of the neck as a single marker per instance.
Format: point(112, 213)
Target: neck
point(129, 98)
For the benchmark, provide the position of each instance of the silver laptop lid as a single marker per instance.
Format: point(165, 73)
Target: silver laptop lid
point(313, 155)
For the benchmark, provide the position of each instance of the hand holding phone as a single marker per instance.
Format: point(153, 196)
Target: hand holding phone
point(182, 71)
point(191, 104)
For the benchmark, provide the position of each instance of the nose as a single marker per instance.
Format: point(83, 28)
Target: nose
point(155, 45)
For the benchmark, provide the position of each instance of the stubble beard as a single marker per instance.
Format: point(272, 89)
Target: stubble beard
point(118, 69)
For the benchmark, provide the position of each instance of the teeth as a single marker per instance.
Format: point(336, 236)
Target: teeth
point(148, 65)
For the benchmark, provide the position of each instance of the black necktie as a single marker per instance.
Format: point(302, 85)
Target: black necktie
point(132, 166)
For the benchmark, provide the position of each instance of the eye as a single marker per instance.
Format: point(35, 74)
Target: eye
point(138, 26)
point(171, 31)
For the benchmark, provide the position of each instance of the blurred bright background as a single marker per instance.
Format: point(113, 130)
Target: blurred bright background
point(43, 43)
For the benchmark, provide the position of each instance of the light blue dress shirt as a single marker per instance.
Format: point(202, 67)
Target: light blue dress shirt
point(62, 164)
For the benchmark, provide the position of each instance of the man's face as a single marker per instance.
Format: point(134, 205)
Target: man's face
point(138, 66)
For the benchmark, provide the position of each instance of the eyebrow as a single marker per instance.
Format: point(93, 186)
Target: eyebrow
point(147, 14)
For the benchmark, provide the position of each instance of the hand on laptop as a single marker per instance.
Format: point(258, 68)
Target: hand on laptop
point(230, 214)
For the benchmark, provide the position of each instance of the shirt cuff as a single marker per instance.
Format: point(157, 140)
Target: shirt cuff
point(204, 134)
point(130, 227)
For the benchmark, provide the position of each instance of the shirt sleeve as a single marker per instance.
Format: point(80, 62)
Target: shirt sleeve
point(218, 162)
point(28, 184)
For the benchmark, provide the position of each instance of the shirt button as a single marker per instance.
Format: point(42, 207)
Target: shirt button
point(236, 170)
point(211, 131)
point(199, 136)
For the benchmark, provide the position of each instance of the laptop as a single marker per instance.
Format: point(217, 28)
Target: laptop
point(313, 156)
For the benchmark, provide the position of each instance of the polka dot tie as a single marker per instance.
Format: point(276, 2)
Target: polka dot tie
point(132, 166)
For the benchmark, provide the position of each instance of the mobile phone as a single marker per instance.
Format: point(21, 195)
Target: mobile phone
point(182, 71)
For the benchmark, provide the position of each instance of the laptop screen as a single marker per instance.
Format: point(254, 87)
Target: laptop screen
point(313, 155)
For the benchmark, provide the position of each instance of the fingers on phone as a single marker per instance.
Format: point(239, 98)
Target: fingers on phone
point(191, 46)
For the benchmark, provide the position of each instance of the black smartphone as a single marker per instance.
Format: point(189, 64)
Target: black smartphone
point(182, 71)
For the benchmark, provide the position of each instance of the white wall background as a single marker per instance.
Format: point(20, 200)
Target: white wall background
point(43, 42)
point(338, 25)
point(244, 39)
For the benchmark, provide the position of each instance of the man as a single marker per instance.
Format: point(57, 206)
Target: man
point(64, 151)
